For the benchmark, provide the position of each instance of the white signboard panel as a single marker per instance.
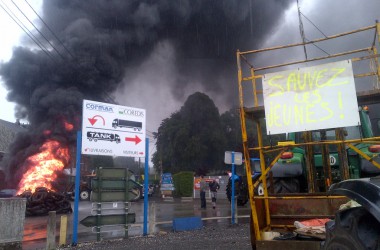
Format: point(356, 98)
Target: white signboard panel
point(312, 98)
point(113, 130)
point(238, 158)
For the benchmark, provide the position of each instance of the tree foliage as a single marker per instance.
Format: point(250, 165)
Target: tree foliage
point(130, 163)
point(183, 184)
point(191, 139)
point(232, 130)
point(196, 137)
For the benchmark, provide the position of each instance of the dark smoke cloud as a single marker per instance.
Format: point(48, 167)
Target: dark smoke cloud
point(113, 45)
point(331, 18)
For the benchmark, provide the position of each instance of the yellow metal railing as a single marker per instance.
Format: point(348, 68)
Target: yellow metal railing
point(242, 57)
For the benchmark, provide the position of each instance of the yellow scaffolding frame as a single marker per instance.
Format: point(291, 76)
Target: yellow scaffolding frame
point(262, 150)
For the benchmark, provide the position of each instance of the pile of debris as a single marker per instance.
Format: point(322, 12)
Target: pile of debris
point(43, 200)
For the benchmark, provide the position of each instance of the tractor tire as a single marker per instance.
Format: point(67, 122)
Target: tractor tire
point(353, 228)
point(229, 190)
point(241, 192)
point(259, 190)
point(280, 186)
point(84, 195)
point(38, 197)
point(286, 185)
point(241, 201)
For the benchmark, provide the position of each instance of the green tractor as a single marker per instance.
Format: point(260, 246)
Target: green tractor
point(289, 173)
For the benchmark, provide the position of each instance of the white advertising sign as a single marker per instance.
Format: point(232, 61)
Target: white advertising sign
point(312, 98)
point(113, 130)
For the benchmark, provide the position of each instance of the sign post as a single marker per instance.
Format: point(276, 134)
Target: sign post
point(113, 130)
point(146, 188)
point(110, 130)
point(77, 185)
point(231, 157)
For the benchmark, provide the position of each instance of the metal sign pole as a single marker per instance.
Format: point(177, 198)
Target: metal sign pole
point(77, 184)
point(146, 188)
point(233, 188)
point(126, 203)
point(99, 203)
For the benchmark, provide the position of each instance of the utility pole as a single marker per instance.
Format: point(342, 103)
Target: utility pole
point(301, 29)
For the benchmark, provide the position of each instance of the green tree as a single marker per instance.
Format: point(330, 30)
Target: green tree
point(130, 163)
point(192, 139)
point(232, 128)
point(101, 161)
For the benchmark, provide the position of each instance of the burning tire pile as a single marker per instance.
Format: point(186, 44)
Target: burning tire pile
point(43, 200)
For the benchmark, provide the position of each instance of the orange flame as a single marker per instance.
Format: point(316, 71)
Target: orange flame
point(68, 126)
point(53, 157)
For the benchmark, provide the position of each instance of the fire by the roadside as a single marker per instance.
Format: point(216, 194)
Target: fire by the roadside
point(68, 126)
point(43, 166)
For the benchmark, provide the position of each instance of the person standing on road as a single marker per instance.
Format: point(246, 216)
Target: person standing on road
point(203, 188)
point(214, 187)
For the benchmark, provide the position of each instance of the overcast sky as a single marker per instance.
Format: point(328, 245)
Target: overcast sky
point(13, 35)
point(330, 16)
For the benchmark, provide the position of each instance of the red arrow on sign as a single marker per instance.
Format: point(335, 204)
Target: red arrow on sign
point(136, 139)
point(93, 120)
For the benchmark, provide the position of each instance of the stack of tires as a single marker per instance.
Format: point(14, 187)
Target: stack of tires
point(43, 200)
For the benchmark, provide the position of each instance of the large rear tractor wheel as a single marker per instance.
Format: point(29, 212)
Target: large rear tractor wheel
point(280, 186)
point(286, 185)
point(353, 228)
point(241, 192)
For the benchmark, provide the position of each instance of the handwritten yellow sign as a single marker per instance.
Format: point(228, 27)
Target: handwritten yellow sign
point(310, 98)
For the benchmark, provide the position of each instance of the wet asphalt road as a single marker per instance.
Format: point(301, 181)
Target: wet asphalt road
point(218, 237)
point(166, 210)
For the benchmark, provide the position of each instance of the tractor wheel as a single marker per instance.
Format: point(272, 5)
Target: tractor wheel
point(259, 190)
point(280, 186)
point(229, 190)
point(241, 192)
point(286, 185)
point(353, 228)
point(241, 201)
point(84, 195)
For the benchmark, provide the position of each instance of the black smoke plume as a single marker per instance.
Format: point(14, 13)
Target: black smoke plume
point(104, 40)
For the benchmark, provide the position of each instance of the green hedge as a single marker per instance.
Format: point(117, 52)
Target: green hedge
point(183, 184)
